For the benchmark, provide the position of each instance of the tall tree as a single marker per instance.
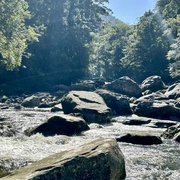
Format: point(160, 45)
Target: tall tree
point(107, 49)
point(61, 54)
point(14, 34)
point(171, 14)
point(145, 55)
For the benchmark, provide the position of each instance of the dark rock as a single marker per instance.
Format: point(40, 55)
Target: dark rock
point(83, 86)
point(118, 103)
point(173, 92)
point(136, 120)
point(60, 125)
point(171, 132)
point(98, 160)
point(126, 86)
point(32, 101)
point(140, 138)
point(156, 109)
point(177, 137)
point(152, 83)
point(89, 104)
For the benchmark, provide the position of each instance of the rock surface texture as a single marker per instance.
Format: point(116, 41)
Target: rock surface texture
point(125, 85)
point(90, 105)
point(98, 160)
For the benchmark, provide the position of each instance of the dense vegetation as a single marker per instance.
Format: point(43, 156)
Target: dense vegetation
point(49, 42)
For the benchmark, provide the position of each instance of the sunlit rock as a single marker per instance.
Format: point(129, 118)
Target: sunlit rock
point(60, 125)
point(126, 86)
point(173, 92)
point(89, 104)
point(172, 132)
point(152, 83)
point(98, 160)
point(140, 138)
point(31, 101)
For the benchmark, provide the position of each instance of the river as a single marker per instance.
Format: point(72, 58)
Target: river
point(155, 162)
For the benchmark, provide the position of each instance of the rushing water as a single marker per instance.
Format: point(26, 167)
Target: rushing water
point(156, 162)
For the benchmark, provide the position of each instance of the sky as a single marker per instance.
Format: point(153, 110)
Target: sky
point(129, 11)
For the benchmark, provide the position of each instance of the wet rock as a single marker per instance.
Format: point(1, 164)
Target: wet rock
point(118, 103)
point(136, 120)
point(56, 108)
point(126, 86)
point(173, 92)
point(32, 101)
point(89, 104)
point(140, 138)
point(60, 125)
point(100, 159)
point(153, 84)
point(172, 132)
point(177, 137)
point(6, 130)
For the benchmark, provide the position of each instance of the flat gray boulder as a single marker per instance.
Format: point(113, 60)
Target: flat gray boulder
point(98, 160)
point(60, 125)
point(90, 105)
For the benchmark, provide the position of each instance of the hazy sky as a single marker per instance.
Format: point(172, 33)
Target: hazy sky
point(129, 10)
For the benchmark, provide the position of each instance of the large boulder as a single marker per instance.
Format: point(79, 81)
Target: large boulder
point(89, 104)
point(155, 105)
point(31, 101)
point(126, 86)
point(62, 124)
point(98, 160)
point(156, 109)
point(152, 83)
point(118, 103)
point(173, 92)
point(140, 138)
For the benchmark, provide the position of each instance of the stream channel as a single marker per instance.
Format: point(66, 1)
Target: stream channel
point(155, 162)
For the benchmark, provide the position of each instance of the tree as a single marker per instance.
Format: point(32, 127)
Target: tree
point(14, 34)
point(107, 49)
point(145, 55)
point(171, 14)
point(61, 55)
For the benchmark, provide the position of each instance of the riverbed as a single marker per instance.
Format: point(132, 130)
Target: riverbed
point(155, 162)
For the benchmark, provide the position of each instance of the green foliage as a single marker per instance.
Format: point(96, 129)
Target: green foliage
point(14, 34)
point(145, 55)
point(107, 49)
point(61, 54)
point(171, 15)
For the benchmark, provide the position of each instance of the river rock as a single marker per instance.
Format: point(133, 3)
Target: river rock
point(98, 160)
point(172, 132)
point(152, 83)
point(126, 86)
point(118, 103)
point(89, 104)
point(155, 105)
point(173, 92)
point(32, 101)
point(61, 125)
point(140, 138)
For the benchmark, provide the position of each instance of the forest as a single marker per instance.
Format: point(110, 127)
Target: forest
point(48, 42)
